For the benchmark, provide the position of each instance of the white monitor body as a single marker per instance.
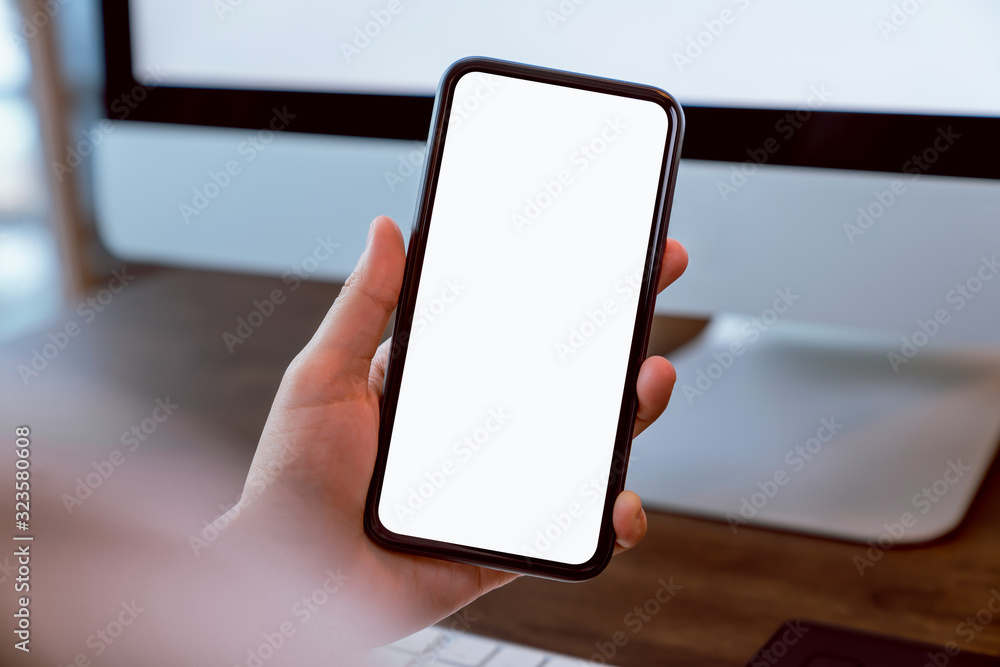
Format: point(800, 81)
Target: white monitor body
point(787, 238)
point(164, 195)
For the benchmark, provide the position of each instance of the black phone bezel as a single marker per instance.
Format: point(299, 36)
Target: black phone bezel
point(407, 298)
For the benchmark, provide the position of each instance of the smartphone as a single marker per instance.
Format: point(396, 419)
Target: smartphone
point(804, 643)
point(509, 397)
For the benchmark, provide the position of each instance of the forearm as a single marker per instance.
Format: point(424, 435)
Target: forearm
point(113, 584)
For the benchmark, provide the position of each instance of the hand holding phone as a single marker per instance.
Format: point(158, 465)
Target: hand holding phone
point(306, 489)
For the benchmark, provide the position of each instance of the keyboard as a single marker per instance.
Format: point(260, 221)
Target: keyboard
point(451, 648)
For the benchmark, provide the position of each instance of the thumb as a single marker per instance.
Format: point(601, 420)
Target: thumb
point(346, 341)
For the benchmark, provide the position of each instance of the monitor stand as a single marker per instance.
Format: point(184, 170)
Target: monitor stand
point(811, 430)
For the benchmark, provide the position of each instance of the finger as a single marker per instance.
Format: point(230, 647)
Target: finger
point(376, 376)
point(653, 388)
point(493, 579)
point(629, 520)
point(675, 260)
point(351, 331)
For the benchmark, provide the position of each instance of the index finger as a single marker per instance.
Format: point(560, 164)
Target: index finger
point(675, 260)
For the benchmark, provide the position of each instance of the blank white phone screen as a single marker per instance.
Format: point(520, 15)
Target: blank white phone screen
point(514, 376)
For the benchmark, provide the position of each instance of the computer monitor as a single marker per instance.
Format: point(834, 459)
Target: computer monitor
point(839, 197)
point(775, 84)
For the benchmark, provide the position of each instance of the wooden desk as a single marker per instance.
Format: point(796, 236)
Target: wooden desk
point(163, 335)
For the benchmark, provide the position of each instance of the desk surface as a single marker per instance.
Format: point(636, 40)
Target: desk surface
point(163, 335)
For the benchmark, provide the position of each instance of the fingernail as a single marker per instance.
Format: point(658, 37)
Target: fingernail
point(371, 231)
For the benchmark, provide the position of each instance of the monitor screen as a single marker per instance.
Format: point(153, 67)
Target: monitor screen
point(855, 55)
